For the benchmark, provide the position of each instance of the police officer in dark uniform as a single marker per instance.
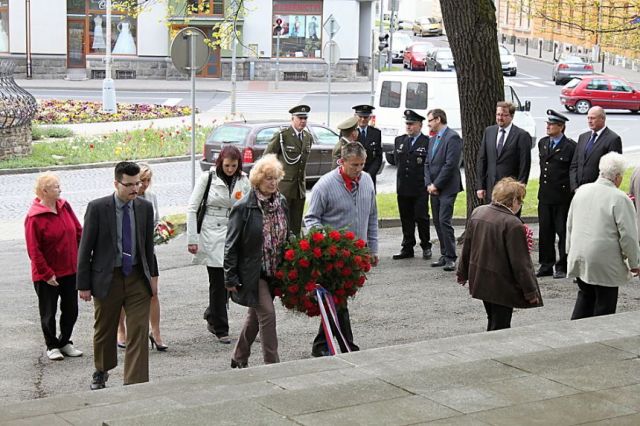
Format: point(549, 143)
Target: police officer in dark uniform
point(554, 195)
point(413, 200)
point(292, 146)
point(371, 140)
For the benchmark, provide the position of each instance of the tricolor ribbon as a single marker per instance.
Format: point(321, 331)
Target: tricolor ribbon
point(323, 295)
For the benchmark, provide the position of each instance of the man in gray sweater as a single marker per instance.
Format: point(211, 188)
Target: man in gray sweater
point(345, 198)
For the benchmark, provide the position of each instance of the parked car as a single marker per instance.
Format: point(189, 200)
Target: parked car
point(400, 42)
point(565, 69)
point(508, 61)
point(415, 56)
point(252, 137)
point(608, 92)
point(405, 24)
point(427, 26)
point(440, 59)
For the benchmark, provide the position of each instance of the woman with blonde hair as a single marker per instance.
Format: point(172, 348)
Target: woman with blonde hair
point(52, 234)
point(495, 257)
point(257, 232)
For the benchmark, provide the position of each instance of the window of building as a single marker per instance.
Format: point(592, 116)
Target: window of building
point(4, 25)
point(417, 96)
point(205, 7)
point(300, 34)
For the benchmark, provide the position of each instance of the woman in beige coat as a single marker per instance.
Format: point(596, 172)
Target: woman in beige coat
point(228, 184)
point(602, 240)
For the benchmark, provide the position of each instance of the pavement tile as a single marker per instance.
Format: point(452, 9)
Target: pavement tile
point(464, 420)
point(399, 366)
point(188, 397)
point(427, 381)
point(325, 398)
point(629, 396)
point(49, 420)
point(566, 410)
point(631, 420)
point(600, 376)
point(389, 353)
point(97, 414)
point(399, 411)
point(321, 378)
point(629, 344)
point(562, 358)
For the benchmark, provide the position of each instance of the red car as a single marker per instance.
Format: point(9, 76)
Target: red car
point(415, 56)
point(606, 91)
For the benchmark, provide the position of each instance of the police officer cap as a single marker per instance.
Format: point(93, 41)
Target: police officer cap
point(349, 123)
point(363, 110)
point(556, 117)
point(410, 116)
point(300, 110)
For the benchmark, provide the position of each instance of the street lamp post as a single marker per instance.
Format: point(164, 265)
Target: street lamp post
point(108, 87)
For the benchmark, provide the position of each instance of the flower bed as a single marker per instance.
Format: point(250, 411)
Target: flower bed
point(74, 112)
point(334, 259)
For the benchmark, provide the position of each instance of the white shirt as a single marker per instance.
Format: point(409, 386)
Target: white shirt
point(506, 134)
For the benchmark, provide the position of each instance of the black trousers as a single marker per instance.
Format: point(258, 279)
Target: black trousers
point(48, 305)
point(498, 316)
point(414, 211)
point(216, 313)
point(320, 342)
point(553, 221)
point(296, 209)
point(594, 300)
point(442, 213)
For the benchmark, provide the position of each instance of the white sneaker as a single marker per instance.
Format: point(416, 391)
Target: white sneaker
point(69, 350)
point(55, 355)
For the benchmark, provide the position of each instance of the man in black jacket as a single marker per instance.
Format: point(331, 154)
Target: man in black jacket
point(505, 151)
point(371, 140)
point(554, 195)
point(413, 203)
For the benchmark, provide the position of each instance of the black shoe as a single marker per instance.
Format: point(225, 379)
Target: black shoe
point(320, 353)
point(543, 272)
point(236, 364)
point(403, 255)
point(438, 263)
point(450, 266)
point(426, 254)
point(559, 275)
point(99, 380)
point(211, 329)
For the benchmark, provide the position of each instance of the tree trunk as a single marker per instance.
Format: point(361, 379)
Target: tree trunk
point(472, 32)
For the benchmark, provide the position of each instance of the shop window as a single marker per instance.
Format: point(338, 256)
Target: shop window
point(301, 28)
point(205, 7)
point(4, 25)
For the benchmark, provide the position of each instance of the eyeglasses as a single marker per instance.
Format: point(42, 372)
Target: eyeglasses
point(130, 185)
point(430, 120)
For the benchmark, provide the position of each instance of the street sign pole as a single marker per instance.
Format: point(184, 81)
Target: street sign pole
point(192, 66)
point(233, 63)
point(108, 87)
point(332, 56)
point(373, 47)
point(277, 59)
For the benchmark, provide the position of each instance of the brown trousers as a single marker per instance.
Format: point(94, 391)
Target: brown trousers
point(132, 294)
point(262, 318)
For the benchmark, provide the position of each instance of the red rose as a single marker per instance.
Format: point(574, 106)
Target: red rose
point(346, 253)
point(361, 244)
point(357, 260)
point(304, 263)
point(349, 235)
point(315, 274)
point(293, 288)
point(336, 299)
point(317, 253)
point(310, 286)
point(366, 267)
point(317, 237)
point(329, 267)
point(333, 250)
point(348, 284)
point(279, 275)
point(340, 292)
point(334, 235)
point(308, 304)
point(304, 245)
point(346, 272)
point(277, 292)
point(339, 264)
point(289, 255)
point(361, 280)
point(293, 274)
point(293, 301)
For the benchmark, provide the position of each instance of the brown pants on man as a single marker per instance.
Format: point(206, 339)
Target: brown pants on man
point(132, 294)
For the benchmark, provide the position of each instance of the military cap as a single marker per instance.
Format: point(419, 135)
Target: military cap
point(410, 116)
point(363, 110)
point(349, 123)
point(556, 117)
point(300, 110)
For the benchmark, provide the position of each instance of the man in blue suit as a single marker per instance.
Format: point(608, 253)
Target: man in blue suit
point(443, 182)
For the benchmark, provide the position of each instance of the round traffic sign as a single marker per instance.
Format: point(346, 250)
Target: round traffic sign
point(279, 21)
point(181, 49)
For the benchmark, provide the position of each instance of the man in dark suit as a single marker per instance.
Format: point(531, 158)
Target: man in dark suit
point(505, 151)
point(443, 182)
point(413, 202)
point(592, 145)
point(371, 140)
point(554, 195)
point(115, 266)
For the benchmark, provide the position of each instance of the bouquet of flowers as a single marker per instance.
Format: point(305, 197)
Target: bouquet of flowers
point(164, 232)
point(333, 259)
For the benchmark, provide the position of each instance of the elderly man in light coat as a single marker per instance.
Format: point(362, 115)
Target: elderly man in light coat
point(602, 240)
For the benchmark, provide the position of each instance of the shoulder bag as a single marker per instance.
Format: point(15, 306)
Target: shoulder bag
point(202, 208)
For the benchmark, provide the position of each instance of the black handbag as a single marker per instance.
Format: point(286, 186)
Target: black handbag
point(202, 208)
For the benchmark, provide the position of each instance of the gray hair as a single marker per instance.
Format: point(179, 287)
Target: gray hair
point(612, 165)
point(353, 149)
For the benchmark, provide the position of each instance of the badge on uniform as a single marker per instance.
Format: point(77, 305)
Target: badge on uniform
point(400, 147)
point(419, 160)
point(290, 148)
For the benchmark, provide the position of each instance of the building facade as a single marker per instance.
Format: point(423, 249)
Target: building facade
point(67, 38)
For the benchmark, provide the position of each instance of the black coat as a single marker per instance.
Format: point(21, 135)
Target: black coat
point(410, 162)
point(373, 145)
point(513, 161)
point(443, 169)
point(243, 249)
point(554, 171)
point(586, 170)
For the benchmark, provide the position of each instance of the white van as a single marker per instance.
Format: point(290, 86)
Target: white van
point(423, 91)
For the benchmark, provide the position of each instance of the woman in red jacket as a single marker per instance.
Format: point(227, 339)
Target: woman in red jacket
point(52, 232)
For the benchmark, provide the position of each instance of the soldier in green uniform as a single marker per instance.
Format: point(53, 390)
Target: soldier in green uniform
point(348, 133)
point(292, 147)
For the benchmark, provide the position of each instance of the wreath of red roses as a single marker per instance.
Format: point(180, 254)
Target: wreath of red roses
point(332, 258)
